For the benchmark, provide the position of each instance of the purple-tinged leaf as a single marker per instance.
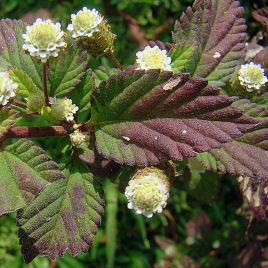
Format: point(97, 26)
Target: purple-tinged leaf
point(262, 59)
point(25, 171)
point(217, 27)
point(11, 52)
point(261, 15)
point(7, 119)
point(162, 45)
point(143, 117)
point(64, 216)
point(246, 157)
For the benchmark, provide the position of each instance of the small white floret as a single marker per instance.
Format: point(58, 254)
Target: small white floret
point(84, 23)
point(147, 195)
point(252, 76)
point(7, 88)
point(153, 58)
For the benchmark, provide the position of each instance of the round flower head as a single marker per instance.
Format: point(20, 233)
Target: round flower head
point(148, 191)
point(77, 138)
point(7, 87)
point(153, 58)
point(44, 39)
point(62, 109)
point(252, 76)
point(85, 23)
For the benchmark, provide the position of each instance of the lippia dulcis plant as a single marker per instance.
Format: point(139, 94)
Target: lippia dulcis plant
point(180, 100)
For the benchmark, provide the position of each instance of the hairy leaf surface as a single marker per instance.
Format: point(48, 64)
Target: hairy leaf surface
point(7, 119)
point(64, 216)
point(25, 171)
point(103, 73)
point(11, 53)
point(143, 117)
point(25, 83)
point(68, 71)
point(218, 30)
point(246, 157)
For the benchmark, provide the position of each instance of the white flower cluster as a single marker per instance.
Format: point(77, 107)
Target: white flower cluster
point(7, 87)
point(63, 106)
point(77, 138)
point(44, 39)
point(85, 23)
point(252, 76)
point(147, 195)
point(153, 58)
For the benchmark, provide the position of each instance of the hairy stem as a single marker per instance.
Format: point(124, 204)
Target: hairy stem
point(36, 132)
point(115, 61)
point(45, 84)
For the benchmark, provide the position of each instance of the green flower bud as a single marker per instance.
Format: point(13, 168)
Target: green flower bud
point(35, 102)
point(78, 139)
point(90, 29)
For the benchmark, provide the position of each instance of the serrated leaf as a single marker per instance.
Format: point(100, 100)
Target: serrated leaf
point(11, 52)
point(103, 73)
point(143, 117)
point(247, 155)
point(162, 45)
point(262, 58)
point(7, 120)
point(25, 83)
point(67, 72)
point(81, 95)
point(25, 171)
point(64, 216)
point(219, 30)
point(181, 55)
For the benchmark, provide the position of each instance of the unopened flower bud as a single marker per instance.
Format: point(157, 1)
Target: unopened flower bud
point(7, 88)
point(44, 39)
point(90, 29)
point(148, 190)
point(35, 102)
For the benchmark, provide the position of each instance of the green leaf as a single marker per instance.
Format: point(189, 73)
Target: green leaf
point(103, 73)
point(217, 27)
point(25, 83)
point(64, 216)
point(143, 117)
point(11, 52)
point(25, 171)
point(67, 72)
point(181, 56)
point(81, 95)
point(7, 120)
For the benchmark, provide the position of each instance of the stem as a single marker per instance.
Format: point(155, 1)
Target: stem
point(36, 132)
point(45, 84)
point(20, 103)
point(115, 61)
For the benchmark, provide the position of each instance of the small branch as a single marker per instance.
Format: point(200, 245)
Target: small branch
point(45, 84)
point(36, 132)
point(115, 61)
point(161, 28)
point(20, 103)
